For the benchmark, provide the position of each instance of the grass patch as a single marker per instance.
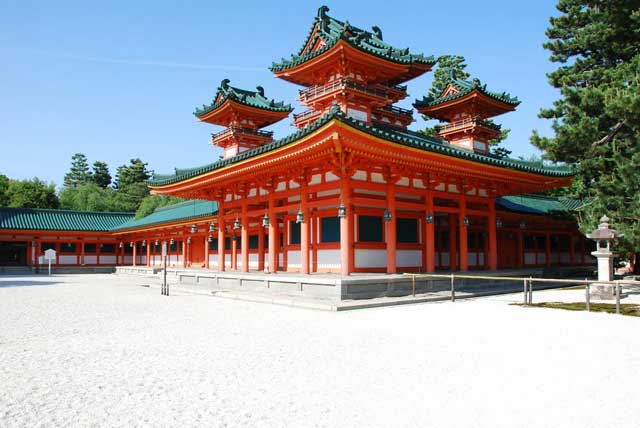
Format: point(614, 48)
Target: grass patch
point(625, 309)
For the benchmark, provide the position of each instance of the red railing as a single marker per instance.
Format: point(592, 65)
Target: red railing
point(468, 122)
point(338, 84)
point(241, 130)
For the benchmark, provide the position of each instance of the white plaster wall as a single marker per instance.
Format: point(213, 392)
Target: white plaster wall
point(329, 176)
point(128, 260)
point(404, 181)
point(445, 258)
point(542, 258)
point(408, 258)
point(90, 260)
point(294, 259)
point(565, 258)
point(370, 258)
point(471, 258)
point(328, 259)
point(68, 260)
point(213, 260)
point(107, 260)
point(253, 261)
point(360, 176)
point(529, 258)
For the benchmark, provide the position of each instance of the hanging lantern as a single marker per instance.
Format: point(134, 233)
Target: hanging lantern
point(121, 244)
point(189, 240)
point(466, 221)
point(523, 225)
point(342, 211)
point(171, 242)
point(265, 221)
point(210, 238)
point(194, 229)
point(498, 222)
point(144, 243)
point(299, 217)
point(131, 244)
point(387, 215)
point(212, 227)
point(236, 224)
point(429, 218)
point(157, 242)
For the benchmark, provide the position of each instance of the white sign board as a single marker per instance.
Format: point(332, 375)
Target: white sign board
point(50, 255)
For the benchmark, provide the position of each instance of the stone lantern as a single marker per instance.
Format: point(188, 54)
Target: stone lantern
point(604, 236)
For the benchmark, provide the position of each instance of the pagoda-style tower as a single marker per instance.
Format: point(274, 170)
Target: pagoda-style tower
point(343, 64)
point(242, 113)
point(466, 106)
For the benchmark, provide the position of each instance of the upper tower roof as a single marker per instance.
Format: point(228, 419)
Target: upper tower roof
point(331, 41)
point(469, 95)
point(252, 103)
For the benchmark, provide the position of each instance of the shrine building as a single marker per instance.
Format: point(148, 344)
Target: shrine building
point(351, 190)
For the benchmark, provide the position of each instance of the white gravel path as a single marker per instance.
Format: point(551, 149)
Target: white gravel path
point(101, 351)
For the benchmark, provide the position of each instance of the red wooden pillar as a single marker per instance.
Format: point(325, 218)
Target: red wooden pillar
point(346, 239)
point(493, 238)
point(260, 246)
point(285, 242)
point(39, 249)
point(135, 253)
point(430, 226)
point(304, 232)
point(391, 229)
point(273, 235)
point(244, 239)
point(464, 252)
point(221, 255)
point(148, 253)
point(453, 253)
point(234, 251)
point(547, 249)
point(81, 252)
point(206, 251)
point(572, 250)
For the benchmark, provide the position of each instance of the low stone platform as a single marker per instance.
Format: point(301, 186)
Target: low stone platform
point(329, 291)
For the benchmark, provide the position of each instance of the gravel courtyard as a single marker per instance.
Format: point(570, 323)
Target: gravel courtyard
point(102, 351)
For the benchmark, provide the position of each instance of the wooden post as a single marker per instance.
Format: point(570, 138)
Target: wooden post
point(135, 254)
point(206, 251)
point(148, 253)
point(464, 253)
point(234, 251)
point(184, 253)
point(260, 246)
point(430, 233)
point(392, 239)
point(547, 249)
point(304, 232)
point(273, 234)
point(221, 256)
point(346, 241)
point(520, 258)
point(453, 230)
point(244, 239)
point(493, 239)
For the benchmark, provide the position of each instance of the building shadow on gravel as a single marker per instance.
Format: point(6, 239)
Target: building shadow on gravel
point(17, 283)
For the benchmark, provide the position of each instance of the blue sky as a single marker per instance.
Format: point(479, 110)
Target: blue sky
point(119, 79)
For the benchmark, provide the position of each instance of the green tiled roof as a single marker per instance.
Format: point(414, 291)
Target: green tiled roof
point(331, 31)
point(465, 87)
point(186, 210)
point(249, 98)
point(402, 137)
point(62, 220)
point(535, 204)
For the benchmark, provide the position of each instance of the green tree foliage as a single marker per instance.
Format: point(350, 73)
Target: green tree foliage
point(100, 174)
point(130, 185)
point(448, 66)
point(151, 202)
point(453, 66)
point(4, 186)
point(88, 197)
point(596, 121)
point(33, 193)
point(79, 172)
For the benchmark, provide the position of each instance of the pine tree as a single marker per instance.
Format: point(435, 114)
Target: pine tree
point(130, 185)
point(597, 119)
point(4, 186)
point(453, 66)
point(79, 172)
point(33, 193)
point(101, 175)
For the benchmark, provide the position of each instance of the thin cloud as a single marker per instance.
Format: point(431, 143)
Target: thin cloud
point(144, 62)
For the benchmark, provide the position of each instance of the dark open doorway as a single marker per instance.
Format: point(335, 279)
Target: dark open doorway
point(13, 253)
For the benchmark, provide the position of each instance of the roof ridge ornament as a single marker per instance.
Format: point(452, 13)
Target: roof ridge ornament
point(322, 12)
point(260, 90)
point(224, 85)
point(377, 31)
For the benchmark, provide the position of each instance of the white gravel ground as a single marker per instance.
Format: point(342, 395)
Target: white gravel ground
point(85, 351)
